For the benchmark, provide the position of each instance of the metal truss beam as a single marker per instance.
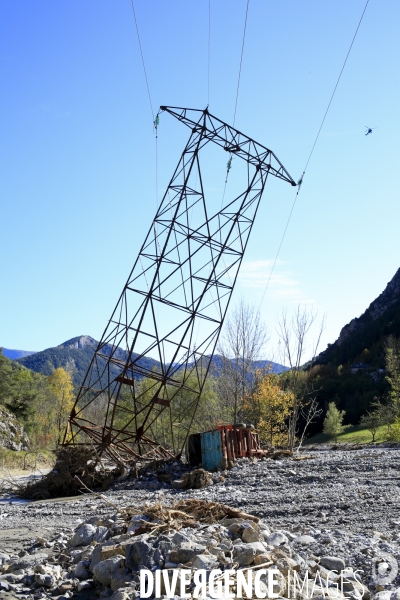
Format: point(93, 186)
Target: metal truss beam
point(173, 304)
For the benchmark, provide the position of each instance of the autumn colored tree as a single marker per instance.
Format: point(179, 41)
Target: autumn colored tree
point(60, 386)
point(269, 409)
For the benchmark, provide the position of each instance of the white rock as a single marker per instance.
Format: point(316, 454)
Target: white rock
point(105, 569)
point(277, 539)
point(101, 534)
point(84, 585)
point(204, 561)
point(304, 540)
point(83, 535)
point(81, 570)
point(180, 537)
point(385, 595)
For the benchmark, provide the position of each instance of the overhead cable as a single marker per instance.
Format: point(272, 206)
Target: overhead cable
point(144, 66)
point(312, 150)
point(241, 60)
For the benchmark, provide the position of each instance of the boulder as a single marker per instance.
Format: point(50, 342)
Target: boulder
point(277, 538)
point(188, 550)
point(204, 561)
point(332, 563)
point(120, 579)
point(140, 554)
point(81, 570)
point(105, 570)
point(84, 585)
point(83, 535)
point(250, 534)
point(384, 595)
point(244, 554)
point(101, 534)
point(260, 559)
point(45, 580)
point(127, 593)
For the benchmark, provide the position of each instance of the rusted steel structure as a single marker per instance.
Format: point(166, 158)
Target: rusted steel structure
point(240, 442)
point(215, 448)
point(173, 304)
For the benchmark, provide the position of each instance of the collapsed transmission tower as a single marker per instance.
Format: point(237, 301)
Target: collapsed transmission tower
point(172, 306)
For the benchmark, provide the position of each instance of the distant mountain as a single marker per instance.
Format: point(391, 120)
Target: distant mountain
point(14, 354)
point(360, 341)
point(258, 364)
point(75, 356)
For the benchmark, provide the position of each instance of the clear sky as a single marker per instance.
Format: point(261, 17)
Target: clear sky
point(78, 152)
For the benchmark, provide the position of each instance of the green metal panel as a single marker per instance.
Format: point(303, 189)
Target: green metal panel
point(211, 450)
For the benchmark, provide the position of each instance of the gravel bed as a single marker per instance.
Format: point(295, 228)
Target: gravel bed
point(342, 504)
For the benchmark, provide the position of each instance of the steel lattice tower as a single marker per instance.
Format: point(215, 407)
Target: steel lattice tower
point(177, 292)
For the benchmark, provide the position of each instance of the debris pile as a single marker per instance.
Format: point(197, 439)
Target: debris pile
point(77, 470)
point(106, 554)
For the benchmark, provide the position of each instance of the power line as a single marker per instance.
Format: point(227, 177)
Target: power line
point(155, 118)
point(337, 83)
point(241, 59)
point(280, 245)
point(237, 95)
point(141, 54)
point(312, 150)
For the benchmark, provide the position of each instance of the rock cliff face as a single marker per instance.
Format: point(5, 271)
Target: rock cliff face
point(368, 332)
point(388, 298)
point(83, 341)
point(12, 435)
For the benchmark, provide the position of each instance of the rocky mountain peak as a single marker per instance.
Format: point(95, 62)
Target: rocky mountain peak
point(389, 296)
point(83, 341)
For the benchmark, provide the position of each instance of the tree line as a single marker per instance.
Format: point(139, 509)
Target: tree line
point(41, 403)
point(384, 409)
point(283, 407)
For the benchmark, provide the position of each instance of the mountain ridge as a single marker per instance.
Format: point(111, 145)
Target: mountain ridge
point(75, 355)
point(361, 339)
point(15, 354)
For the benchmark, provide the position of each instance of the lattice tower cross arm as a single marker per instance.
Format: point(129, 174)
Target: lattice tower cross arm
point(231, 140)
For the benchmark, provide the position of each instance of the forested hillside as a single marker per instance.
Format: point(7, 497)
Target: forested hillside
point(352, 371)
point(38, 403)
point(360, 341)
point(75, 356)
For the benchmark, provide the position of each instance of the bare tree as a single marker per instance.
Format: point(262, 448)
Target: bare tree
point(309, 413)
point(242, 342)
point(294, 342)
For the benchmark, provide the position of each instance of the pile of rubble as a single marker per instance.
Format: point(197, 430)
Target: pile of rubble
point(78, 469)
point(106, 554)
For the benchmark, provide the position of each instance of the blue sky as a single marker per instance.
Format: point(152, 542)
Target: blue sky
point(78, 152)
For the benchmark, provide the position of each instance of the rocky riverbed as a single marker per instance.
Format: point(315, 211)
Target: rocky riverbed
point(339, 505)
